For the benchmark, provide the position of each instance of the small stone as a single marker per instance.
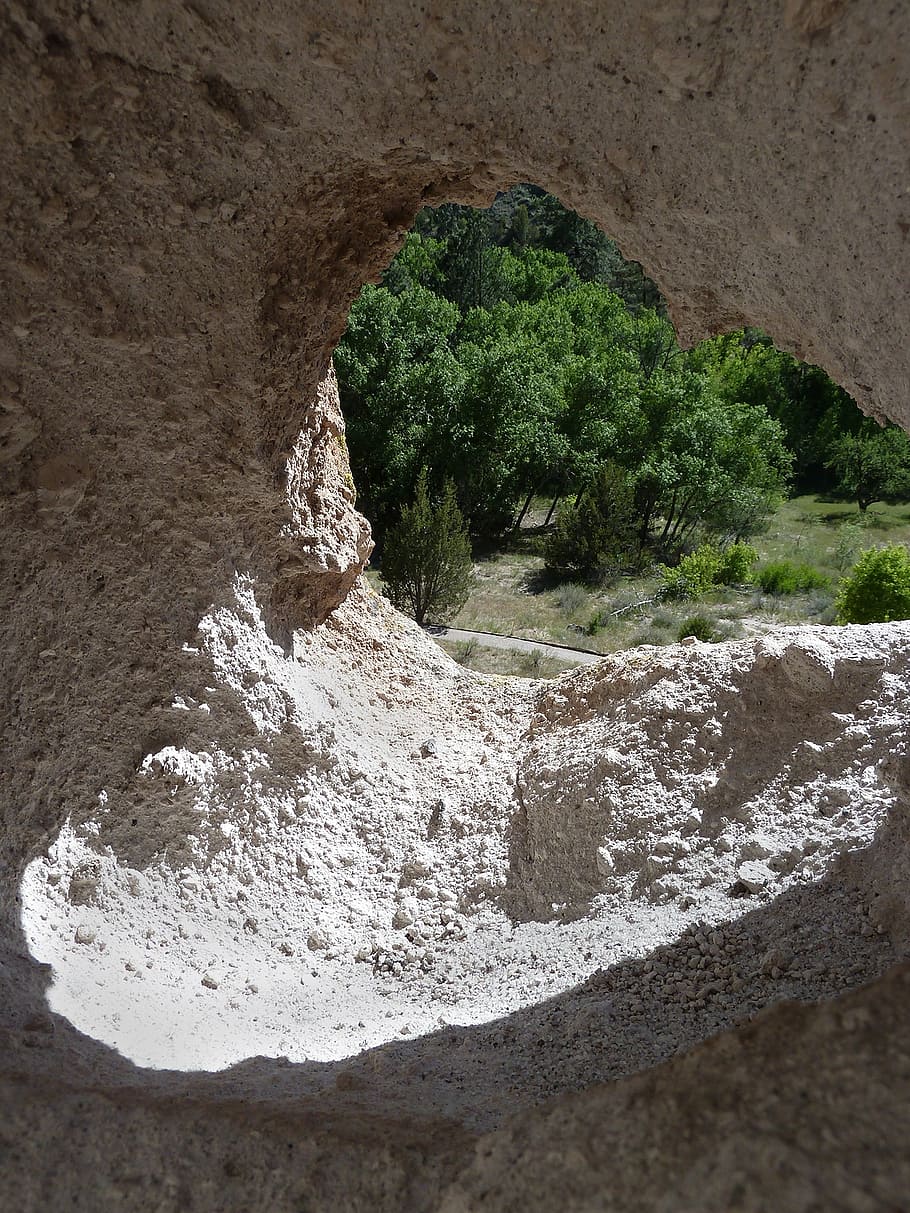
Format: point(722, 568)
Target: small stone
point(317, 941)
point(605, 863)
point(84, 882)
point(753, 875)
point(85, 934)
point(775, 961)
point(210, 981)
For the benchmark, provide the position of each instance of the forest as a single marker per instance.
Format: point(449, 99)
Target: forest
point(516, 353)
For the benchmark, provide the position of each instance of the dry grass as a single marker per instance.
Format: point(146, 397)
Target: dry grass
point(506, 662)
point(515, 595)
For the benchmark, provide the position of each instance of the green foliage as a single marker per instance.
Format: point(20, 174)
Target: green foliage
point(849, 542)
point(530, 663)
point(699, 626)
point(736, 564)
point(871, 465)
point(597, 531)
point(597, 621)
point(744, 367)
point(661, 620)
point(707, 567)
point(695, 574)
point(571, 597)
point(426, 565)
point(878, 589)
point(788, 577)
point(515, 351)
point(464, 651)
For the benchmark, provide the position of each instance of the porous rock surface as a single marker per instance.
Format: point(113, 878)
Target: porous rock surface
point(193, 193)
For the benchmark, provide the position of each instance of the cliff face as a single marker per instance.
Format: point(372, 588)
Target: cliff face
point(193, 194)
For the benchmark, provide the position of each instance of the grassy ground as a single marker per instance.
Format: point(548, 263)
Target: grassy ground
point(515, 595)
point(504, 661)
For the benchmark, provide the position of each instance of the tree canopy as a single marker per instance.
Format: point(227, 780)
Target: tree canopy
point(515, 352)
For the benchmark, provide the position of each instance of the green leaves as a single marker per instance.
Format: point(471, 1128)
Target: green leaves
point(598, 531)
point(878, 589)
point(426, 565)
point(872, 465)
point(516, 352)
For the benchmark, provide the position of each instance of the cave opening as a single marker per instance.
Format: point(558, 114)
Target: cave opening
point(615, 489)
point(372, 860)
point(244, 855)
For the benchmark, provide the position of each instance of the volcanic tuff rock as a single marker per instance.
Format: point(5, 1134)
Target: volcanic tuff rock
point(193, 194)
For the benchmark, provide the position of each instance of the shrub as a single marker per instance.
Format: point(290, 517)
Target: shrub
point(426, 559)
point(736, 564)
point(571, 597)
point(786, 577)
point(529, 663)
point(464, 650)
point(597, 621)
point(708, 566)
point(878, 589)
point(699, 626)
point(849, 542)
point(694, 575)
point(650, 636)
point(660, 619)
point(598, 530)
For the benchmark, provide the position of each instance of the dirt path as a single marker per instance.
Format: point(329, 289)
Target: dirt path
point(562, 652)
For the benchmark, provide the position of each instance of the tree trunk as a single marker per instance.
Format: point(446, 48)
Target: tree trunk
point(553, 505)
point(524, 510)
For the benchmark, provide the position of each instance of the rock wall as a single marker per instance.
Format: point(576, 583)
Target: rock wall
point(193, 193)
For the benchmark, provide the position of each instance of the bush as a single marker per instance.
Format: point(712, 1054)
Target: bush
point(660, 619)
point(598, 530)
point(695, 574)
point(464, 650)
point(571, 597)
point(529, 663)
point(699, 626)
point(849, 542)
point(597, 621)
point(650, 636)
point(707, 567)
point(736, 564)
point(426, 559)
point(878, 589)
point(786, 577)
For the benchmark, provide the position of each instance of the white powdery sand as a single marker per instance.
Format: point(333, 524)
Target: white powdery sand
point(362, 843)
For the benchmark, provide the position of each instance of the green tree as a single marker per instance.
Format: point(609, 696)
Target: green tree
point(744, 367)
point(878, 589)
point(873, 465)
point(704, 463)
point(426, 563)
point(598, 530)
